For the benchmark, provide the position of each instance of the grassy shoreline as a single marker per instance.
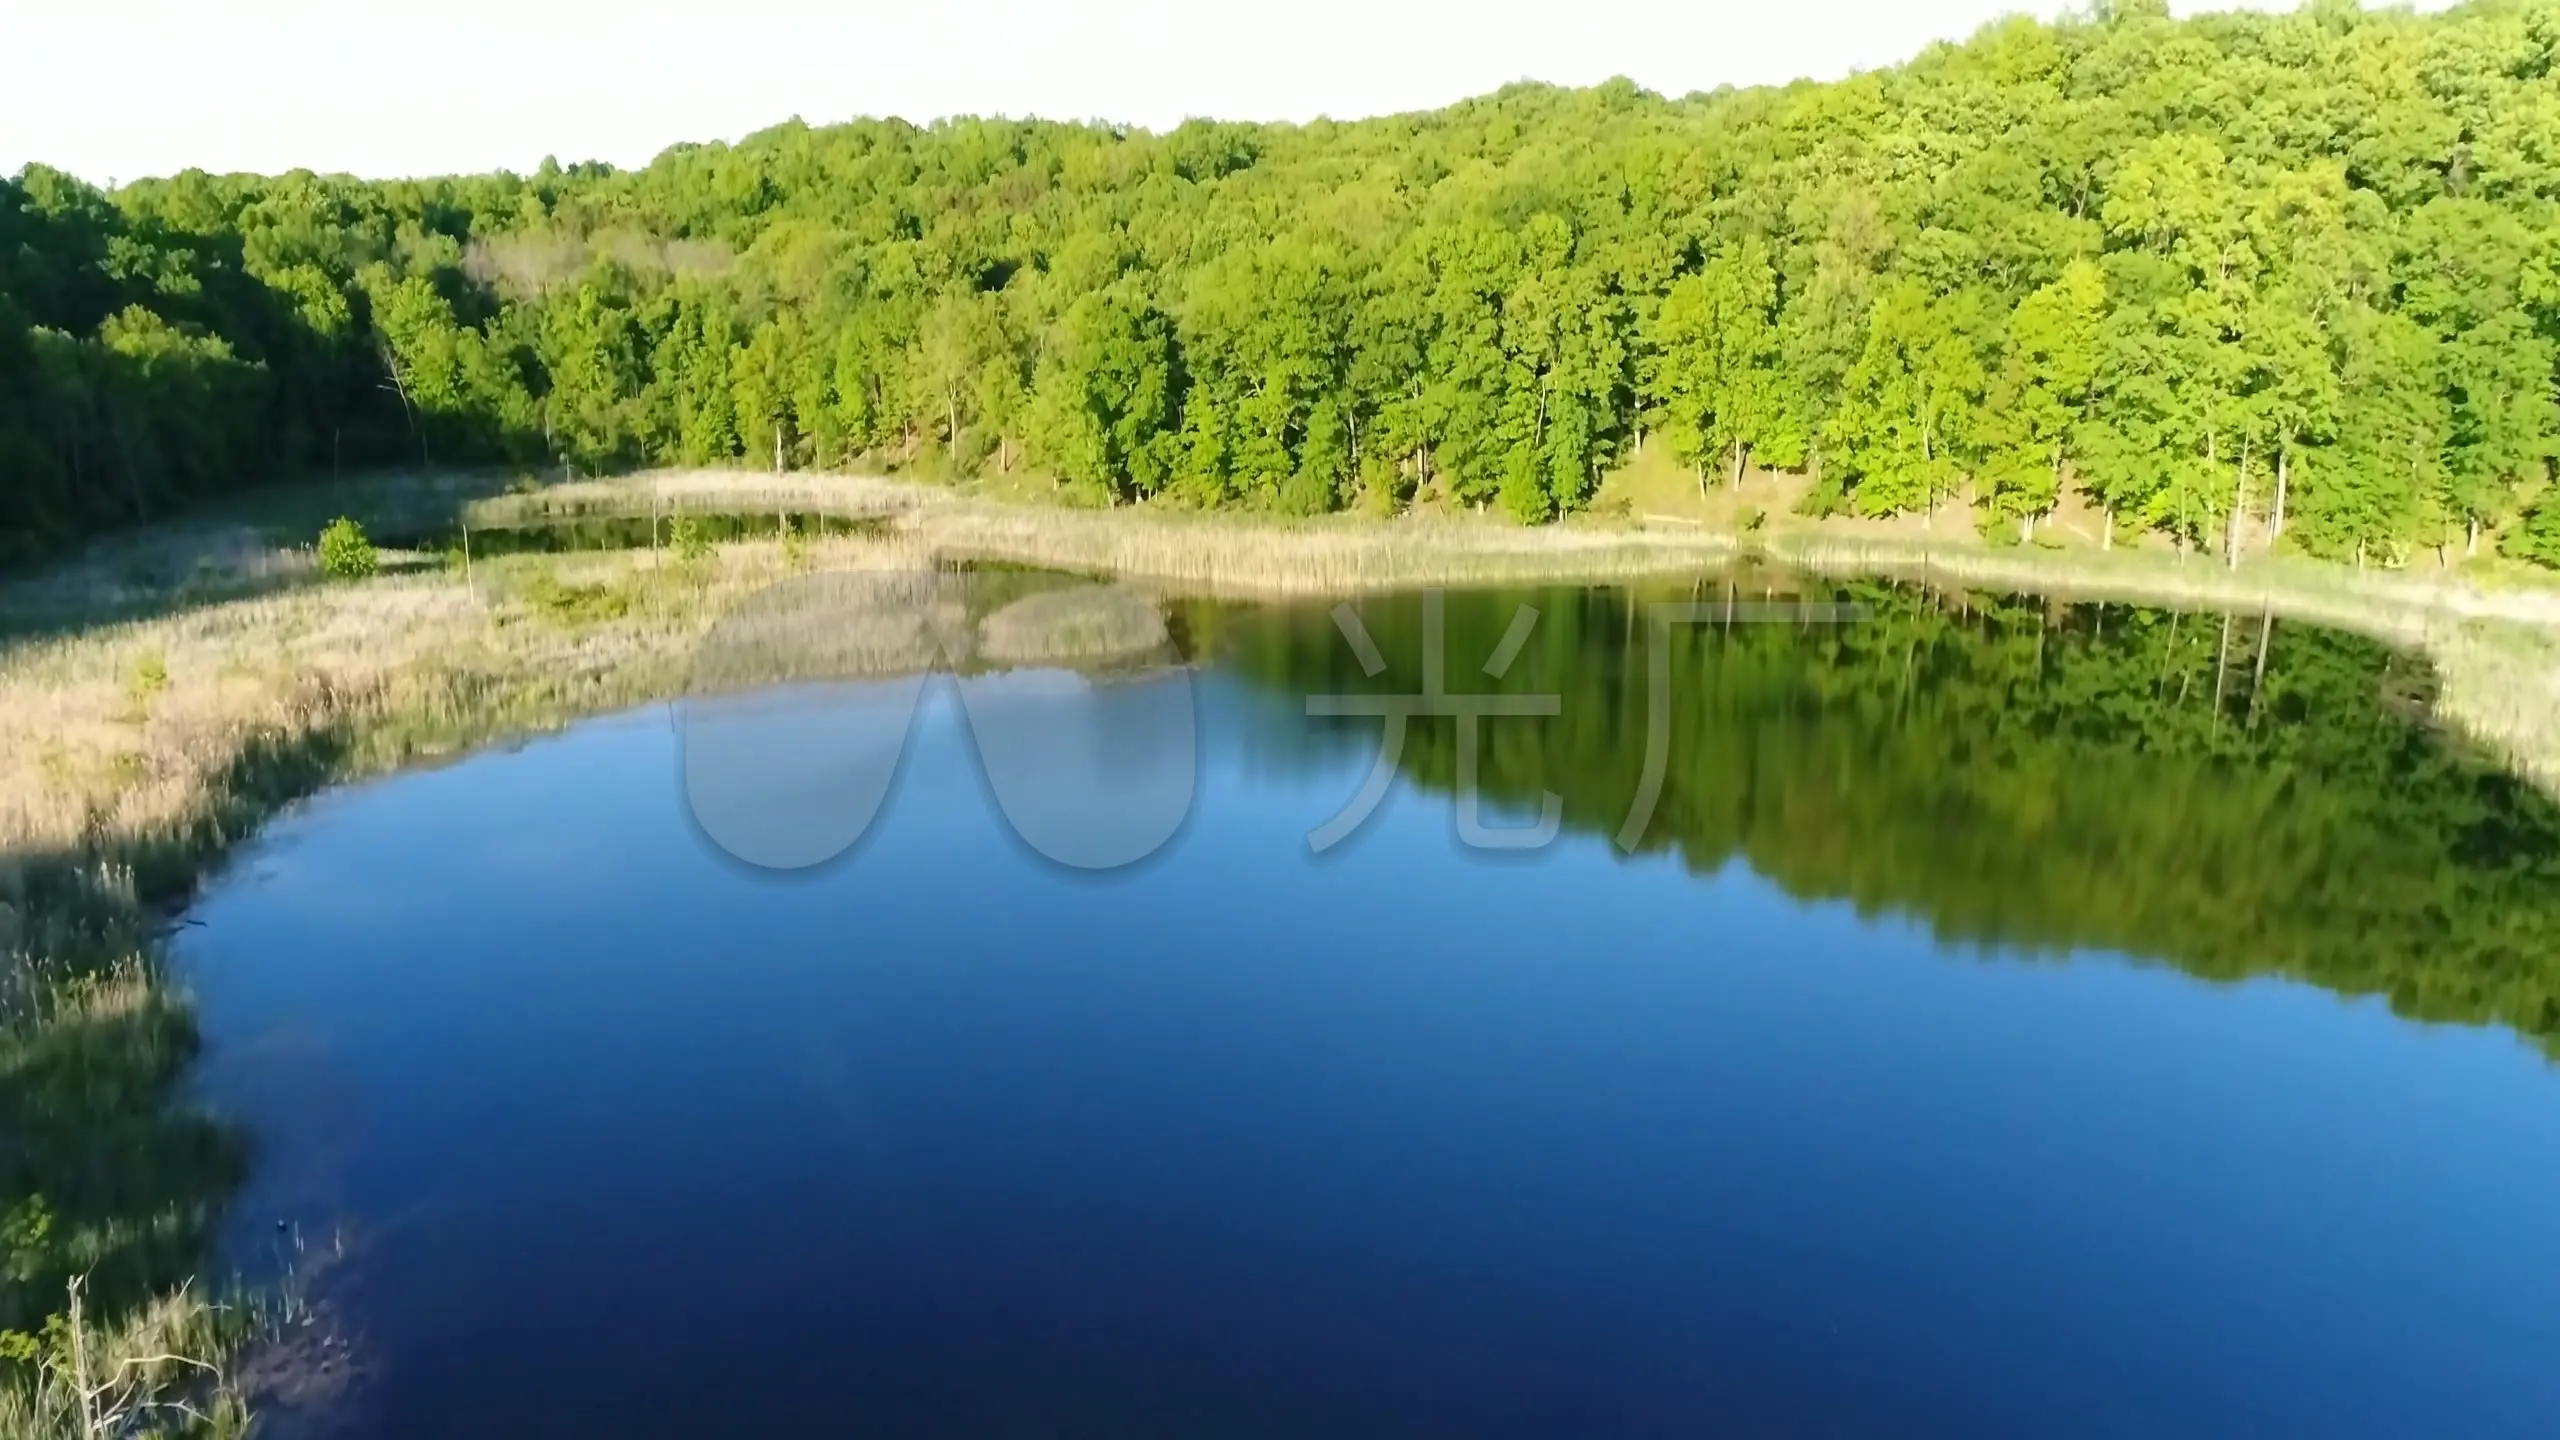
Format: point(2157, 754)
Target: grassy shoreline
point(165, 693)
point(2496, 646)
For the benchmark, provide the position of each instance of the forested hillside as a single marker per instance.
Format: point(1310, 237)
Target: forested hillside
point(2303, 269)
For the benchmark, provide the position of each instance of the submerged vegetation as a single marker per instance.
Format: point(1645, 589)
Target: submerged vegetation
point(2243, 281)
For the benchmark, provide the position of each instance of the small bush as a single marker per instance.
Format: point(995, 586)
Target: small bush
point(345, 553)
point(690, 539)
point(591, 604)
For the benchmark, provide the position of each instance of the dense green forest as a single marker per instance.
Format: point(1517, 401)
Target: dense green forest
point(2299, 271)
point(2231, 794)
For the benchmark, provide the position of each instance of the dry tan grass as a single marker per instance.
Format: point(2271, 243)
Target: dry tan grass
point(153, 1372)
point(1263, 558)
point(1088, 622)
point(1225, 554)
point(90, 747)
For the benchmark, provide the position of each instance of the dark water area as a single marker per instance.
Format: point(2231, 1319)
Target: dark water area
point(2008, 1018)
point(562, 536)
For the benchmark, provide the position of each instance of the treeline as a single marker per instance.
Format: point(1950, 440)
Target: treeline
point(2232, 795)
point(2264, 279)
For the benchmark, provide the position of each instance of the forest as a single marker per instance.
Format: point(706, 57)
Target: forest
point(2231, 794)
point(2238, 281)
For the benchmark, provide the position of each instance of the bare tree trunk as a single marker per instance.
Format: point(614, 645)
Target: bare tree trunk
point(2471, 549)
point(2275, 527)
point(2221, 666)
point(400, 387)
point(1740, 451)
point(2239, 502)
point(2057, 476)
point(2107, 537)
point(90, 1423)
point(2258, 677)
point(2169, 654)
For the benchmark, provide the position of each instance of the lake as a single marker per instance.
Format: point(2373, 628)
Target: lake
point(2009, 1017)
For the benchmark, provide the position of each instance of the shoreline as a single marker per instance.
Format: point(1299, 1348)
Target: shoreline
point(165, 693)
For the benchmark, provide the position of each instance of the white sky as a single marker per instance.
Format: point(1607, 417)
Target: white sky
point(113, 90)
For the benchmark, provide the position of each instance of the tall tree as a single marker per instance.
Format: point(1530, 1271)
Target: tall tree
point(1718, 366)
point(2042, 395)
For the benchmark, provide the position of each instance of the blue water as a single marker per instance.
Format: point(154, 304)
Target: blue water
point(628, 1138)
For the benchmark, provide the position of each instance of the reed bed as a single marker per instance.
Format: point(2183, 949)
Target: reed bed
point(1224, 554)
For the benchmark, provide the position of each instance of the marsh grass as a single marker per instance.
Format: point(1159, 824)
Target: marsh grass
point(165, 693)
point(157, 1371)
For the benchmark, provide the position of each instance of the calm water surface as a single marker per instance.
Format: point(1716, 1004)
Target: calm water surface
point(2019, 1021)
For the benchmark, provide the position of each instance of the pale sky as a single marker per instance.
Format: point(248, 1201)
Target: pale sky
point(113, 90)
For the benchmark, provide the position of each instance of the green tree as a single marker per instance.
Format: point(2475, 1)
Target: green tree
point(1718, 366)
point(1108, 400)
point(1910, 405)
point(2042, 394)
